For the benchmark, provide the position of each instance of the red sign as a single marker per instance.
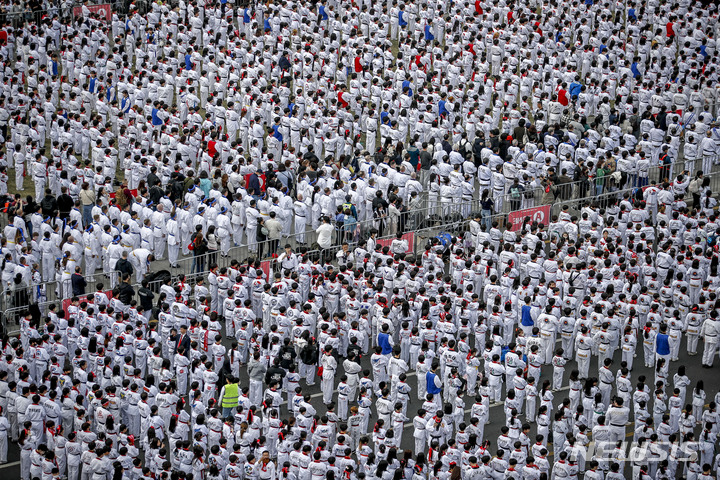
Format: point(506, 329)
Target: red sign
point(261, 177)
point(82, 298)
point(536, 214)
point(410, 237)
point(134, 193)
point(265, 267)
point(103, 10)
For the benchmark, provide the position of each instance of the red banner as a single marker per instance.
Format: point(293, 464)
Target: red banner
point(261, 177)
point(134, 193)
point(82, 298)
point(410, 237)
point(536, 214)
point(102, 10)
point(265, 267)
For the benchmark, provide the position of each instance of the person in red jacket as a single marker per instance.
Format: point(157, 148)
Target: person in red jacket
point(562, 95)
point(343, 97)
point(669, 28)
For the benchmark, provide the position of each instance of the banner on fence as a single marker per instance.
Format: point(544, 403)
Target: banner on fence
point(261, 180)
point(265, 266)
point(410, 237)
point(536, 214)
point(102, 10)
point(133, 191)
point(82, 298)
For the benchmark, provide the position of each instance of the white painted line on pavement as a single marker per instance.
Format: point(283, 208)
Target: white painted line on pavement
point(11, 464)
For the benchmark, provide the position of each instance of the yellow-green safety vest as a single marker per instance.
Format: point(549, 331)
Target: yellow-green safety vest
point(230, 398)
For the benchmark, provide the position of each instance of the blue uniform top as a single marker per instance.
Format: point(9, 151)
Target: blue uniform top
point(155, 118)
point(663, 345)
point(441, 108)
point(431, 387)
point(428, 33)
point(384, 342)
point(525, 317)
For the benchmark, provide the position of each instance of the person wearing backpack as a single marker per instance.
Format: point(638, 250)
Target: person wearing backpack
point(49, 204)
point(516, 194)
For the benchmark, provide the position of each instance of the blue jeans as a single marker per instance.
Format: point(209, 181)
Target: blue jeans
point(227, 412)
point(87, 215)
point(486, 215)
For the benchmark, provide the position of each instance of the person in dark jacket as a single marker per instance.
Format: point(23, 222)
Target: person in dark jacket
point(309, 357)
point(199, 248)
point(181, 339)
point(146, 296)
point(65, 203)
point(124, 292)
point(275, 373)
point(78, 282)
point(49, 205)
point(254, 186)
point(287, 351)
point(124, 266)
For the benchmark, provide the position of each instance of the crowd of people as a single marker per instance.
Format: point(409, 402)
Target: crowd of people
point(197, 126)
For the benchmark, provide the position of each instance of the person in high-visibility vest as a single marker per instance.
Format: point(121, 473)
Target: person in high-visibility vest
point(229, 396)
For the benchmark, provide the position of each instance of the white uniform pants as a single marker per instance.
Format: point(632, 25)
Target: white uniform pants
point(255, 393)
point(709, 350)
point(300, 225)
point(237, 234)
point(173, 252)
point(327, 389)
point(19, 170)
point(159, 247)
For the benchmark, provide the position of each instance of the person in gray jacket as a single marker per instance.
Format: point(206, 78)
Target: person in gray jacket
point(256, 372)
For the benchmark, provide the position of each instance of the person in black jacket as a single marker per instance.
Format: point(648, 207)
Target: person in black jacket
point(308, 358)
point(78, 282)
point(48, 205)
point(146, 296)
point(124, 292)
point(287, 354)
point(181, 340)
point(65, 204)
point(124, 266)
point(275, 373)
point(152, 178)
